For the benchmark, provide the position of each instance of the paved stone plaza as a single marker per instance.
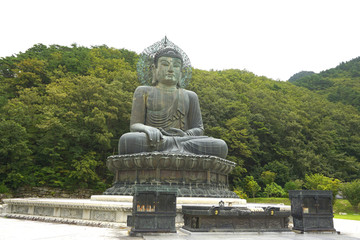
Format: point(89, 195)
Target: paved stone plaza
point(14, 229)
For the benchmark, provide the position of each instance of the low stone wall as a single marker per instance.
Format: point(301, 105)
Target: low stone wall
point(71, 211)
point(45, 192)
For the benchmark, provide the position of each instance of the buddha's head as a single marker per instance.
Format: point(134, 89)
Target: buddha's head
point(167, 67)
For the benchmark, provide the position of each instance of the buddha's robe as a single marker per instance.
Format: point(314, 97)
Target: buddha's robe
point(167, 109)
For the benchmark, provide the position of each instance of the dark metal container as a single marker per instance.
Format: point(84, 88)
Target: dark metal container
point(312, 210)
point(153, 211)
point(234, 219)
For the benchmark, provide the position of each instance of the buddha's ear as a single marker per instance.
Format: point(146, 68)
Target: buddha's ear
point(153, 70)
point(181, 77)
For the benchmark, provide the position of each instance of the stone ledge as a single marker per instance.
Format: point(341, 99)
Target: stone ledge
point(259, 206)
point(69, 209)
point(179, 200)
point(187, 190)
point(210, 201)
point(112, 198)
point(70, 203)
point(66, 220)
point(74, 221)
point(74, 211)
point(221, 234)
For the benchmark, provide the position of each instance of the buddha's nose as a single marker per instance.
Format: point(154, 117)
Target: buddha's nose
point(171, 68)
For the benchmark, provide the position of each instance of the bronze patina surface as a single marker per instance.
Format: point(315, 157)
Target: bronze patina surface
point(189, 175)
point(166, 119)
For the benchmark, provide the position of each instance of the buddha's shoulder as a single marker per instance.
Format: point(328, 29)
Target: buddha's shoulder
point(143, 89)
point(191, 94)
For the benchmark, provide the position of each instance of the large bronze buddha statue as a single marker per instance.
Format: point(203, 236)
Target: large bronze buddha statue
point(166, 117)
point(166, 148)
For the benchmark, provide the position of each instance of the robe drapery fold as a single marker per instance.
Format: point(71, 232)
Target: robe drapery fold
point(161, 108)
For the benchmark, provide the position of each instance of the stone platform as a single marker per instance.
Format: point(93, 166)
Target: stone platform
point(189, 175)
point(14, 229)
point(72, 211)
point(100, 210)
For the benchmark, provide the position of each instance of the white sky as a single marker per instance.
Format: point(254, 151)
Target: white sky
point(274, 38)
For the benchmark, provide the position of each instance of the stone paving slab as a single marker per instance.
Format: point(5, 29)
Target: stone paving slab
point(15, 229)
point(256, 236)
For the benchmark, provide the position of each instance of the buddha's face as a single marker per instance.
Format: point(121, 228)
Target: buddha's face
point(168, 71)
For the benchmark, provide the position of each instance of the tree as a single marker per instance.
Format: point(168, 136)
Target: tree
point(15, 160)
point(268, 177)
point(299, 75)
point(241, 194)
point(321, 182)
point(351, 191)
point(274, 190)
point(293, 185)
point(251, 186)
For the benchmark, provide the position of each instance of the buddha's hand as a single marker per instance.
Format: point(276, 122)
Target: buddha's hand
point(175, 132)
point(154, 134)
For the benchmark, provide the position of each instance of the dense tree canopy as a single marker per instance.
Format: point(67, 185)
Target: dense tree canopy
point(339, 84)
point(63, 109)
point(299, 75)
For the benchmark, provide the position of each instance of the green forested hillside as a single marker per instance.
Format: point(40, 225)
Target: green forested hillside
point(63, 109)
point(299, 75)
point(339, 84)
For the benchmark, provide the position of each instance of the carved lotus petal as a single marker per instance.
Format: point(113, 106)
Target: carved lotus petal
point(216, 166)
point(206, 164)
point(191, 163)
point(129, 162)
point(221, 166)
point(151, 162)
point(179, 162)
point(228, 169)
point(164, 162)
point(116, 162)
point(110, 165)
point(138, 162)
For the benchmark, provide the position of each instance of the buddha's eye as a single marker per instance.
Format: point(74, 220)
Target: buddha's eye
point(165, 63)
